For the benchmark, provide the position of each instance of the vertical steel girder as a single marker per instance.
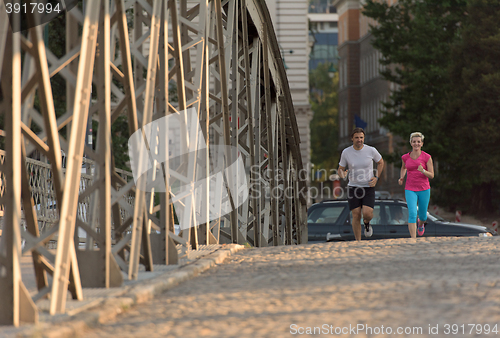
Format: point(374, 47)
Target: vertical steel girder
point(17, 305)
point(219, 58)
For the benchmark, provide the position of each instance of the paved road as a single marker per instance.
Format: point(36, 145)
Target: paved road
point(390, 286)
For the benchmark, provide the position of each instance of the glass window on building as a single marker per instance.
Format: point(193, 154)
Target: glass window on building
point(321, 6)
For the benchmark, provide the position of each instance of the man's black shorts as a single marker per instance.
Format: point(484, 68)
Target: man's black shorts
point(359, 196)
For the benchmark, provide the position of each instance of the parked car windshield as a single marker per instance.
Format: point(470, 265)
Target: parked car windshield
point(325, 214)
point(435, 217)
point(377, 216)
point(397, 214)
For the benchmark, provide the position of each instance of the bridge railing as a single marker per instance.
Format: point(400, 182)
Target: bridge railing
point(44, 198)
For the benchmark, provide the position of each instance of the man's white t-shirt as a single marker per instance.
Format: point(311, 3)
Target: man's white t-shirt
point(360, 164)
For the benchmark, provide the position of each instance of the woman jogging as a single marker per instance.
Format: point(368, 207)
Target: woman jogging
point(418, 165)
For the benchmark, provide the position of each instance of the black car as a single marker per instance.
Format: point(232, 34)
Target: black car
point(331, 220)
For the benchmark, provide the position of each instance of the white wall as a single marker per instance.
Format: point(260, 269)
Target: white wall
point(290, 21)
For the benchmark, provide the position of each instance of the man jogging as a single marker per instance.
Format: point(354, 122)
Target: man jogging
point(358, 159)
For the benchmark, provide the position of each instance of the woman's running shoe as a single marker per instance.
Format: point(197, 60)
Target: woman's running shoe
point(421, 229)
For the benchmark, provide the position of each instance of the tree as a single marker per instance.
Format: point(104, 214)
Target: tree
point(324, 126)
point(469, 125)
point(414, 38)
point(445, 57)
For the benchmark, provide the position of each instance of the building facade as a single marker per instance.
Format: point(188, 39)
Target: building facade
point(323, 34)
point(362, 90)
point(290, 23)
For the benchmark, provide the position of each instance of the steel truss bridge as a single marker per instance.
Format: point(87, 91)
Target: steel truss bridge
point(142, 61)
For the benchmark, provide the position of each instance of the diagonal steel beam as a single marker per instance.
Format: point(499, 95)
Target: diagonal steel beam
point(66, 249)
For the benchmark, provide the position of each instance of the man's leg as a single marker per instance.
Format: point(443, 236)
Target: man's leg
point(368, 204)
point(356, 223)
point(367, 213)
point(355, 207)
point(367, 210)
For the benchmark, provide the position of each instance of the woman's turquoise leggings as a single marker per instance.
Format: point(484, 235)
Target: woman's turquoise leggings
point(422, 199)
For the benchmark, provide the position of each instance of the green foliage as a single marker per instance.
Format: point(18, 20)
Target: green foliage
point(414, 38)
point(120, 136)
point(324, 127)
point(468, 127)
point(119, 139)
point(445, 58)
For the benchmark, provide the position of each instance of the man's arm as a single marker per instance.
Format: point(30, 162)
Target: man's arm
point(342, 172)
point(380, 168)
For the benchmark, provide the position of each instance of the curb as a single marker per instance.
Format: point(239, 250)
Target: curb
point(109, 308)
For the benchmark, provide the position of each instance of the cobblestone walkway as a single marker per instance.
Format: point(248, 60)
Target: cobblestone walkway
point(363, 289)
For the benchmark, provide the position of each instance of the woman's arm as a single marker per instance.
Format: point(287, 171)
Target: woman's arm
point(402, 174)
point(430, 169)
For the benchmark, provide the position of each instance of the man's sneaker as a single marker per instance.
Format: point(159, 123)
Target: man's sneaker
point(368, 230)
point(421, 229)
